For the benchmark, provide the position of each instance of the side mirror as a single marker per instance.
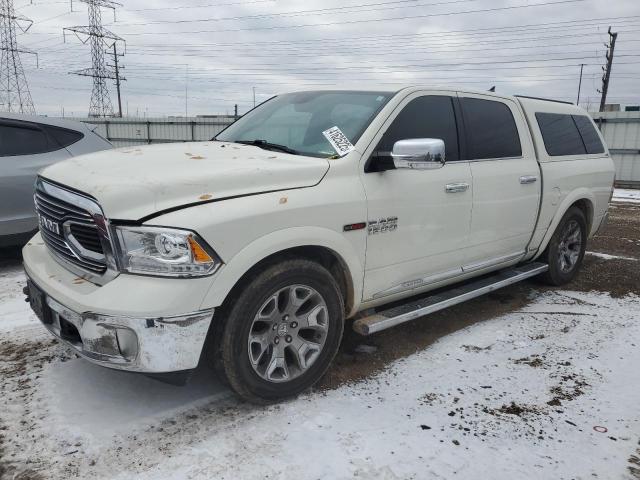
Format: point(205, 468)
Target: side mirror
point(419, 153)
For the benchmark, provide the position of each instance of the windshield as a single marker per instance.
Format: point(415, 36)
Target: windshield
point(296, 121)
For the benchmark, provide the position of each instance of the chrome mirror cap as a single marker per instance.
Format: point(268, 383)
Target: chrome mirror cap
point(419, 153)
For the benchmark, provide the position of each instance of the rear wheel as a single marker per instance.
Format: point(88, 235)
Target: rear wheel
point(281, 332)
point(566, 248)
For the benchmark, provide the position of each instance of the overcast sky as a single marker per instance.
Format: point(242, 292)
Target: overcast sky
point(219, 50)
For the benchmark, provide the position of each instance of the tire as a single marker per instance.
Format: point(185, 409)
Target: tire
point(566, 248)
point(293, 306)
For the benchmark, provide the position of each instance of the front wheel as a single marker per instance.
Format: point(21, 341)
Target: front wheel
point(566, 248)
point(282, 331)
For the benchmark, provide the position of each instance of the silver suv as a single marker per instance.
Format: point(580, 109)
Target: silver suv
point(28, 144)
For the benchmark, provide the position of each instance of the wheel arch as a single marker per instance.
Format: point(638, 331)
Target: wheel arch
point(320, 245)
point(581, 198)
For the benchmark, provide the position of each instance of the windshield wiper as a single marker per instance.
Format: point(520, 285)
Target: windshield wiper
point(268, 146)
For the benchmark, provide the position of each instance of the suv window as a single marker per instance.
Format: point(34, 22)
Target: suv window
point(560, 134)
point(424, 117)
point(490, 128)
point(22, 141)
point(588, 133)
point(63, 136)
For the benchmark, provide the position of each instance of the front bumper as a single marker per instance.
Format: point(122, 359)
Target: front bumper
point(107, 324)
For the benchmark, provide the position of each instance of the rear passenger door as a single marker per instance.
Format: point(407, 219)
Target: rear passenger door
point(506, 180)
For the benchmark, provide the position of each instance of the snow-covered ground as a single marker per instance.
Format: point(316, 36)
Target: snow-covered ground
point(626, 195)
point(549, 391)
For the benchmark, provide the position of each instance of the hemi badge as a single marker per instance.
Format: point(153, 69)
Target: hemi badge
point(355, 226)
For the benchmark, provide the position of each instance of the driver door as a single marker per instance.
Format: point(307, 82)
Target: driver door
point(419, 220)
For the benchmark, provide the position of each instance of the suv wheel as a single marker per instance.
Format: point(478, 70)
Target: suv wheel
point(566, 248)
point(281, 332)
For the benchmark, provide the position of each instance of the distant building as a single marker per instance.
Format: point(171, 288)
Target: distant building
point(612, 107)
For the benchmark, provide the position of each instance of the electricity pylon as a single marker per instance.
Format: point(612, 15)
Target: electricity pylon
point(14, 90)
point(99, 38)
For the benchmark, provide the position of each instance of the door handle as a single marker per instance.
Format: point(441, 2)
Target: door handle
point(456, 187)
point(526, 179)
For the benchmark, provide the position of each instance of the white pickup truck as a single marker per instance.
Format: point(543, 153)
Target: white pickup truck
point(252, 250)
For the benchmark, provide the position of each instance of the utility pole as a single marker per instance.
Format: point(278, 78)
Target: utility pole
point(235, 110)
point(254, 97)
point(116, 68)
point(99, 38)
point(607, 71)
point(186, 91)
point(14, 90)
point(580, 84)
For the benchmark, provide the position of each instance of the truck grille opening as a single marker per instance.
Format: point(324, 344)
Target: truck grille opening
point(62, 222)
point(87, 236)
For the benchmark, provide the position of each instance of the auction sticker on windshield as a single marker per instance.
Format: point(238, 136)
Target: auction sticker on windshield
point(338, 141)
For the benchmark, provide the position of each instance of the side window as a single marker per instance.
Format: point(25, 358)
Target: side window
point(424, 117)
point(22, 141)
point(63, 136)
point(588, 133)
point(490, 129)
point(560, 134)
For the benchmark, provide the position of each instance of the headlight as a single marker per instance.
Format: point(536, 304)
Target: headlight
point(164, 251)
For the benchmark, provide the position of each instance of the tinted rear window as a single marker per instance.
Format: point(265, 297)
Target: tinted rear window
point(565, 134)
point(22, 141)
point(491, 129)
point(63, 136)
point(589, 135)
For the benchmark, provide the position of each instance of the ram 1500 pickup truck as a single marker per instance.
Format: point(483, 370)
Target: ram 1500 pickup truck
point(251, 251)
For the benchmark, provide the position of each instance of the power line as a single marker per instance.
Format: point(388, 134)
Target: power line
point(361, 8)
point(351, 22)
point(181, 7)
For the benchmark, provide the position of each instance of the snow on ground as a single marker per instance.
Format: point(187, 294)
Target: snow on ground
point(626, 195)
point(14, 311)
point(525, 395)
point(607, 256)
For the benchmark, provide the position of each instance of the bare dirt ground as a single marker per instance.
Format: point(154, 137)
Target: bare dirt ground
point(28, 450)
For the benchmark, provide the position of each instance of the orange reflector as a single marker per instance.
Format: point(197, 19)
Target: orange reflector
point(199, 254)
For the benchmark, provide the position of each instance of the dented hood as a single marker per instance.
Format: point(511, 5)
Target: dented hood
point(136, 182)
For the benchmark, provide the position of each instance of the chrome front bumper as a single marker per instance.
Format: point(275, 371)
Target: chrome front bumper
point(138, 344)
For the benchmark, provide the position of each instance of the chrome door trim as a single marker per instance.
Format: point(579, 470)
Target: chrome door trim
point(419, 283)
point(456, 187)
point(472, 267)
point(527, 179)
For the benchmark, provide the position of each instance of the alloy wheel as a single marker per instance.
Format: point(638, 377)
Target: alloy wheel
point(288, 333)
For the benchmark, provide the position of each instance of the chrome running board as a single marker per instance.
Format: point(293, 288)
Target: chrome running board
point(410, 311)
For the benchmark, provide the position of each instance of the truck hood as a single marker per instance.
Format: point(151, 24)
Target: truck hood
point(137, 182)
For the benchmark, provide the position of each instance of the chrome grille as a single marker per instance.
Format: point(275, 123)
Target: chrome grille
point(68, 230)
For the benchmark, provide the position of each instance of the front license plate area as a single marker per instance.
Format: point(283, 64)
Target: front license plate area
point(38, 302)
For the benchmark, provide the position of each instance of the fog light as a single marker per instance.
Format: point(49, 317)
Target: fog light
point(127, 343)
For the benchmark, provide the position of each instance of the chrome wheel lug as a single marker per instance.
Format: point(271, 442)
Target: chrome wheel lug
point(276, 340)
point(275, 326)
point(294, 324)
point(288, 338)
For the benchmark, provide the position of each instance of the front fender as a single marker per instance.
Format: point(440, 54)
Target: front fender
point(278, 241)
